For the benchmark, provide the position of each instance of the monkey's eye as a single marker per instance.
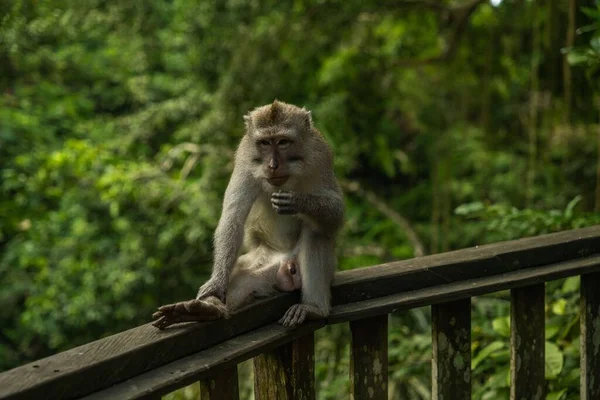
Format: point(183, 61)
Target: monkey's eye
point(264, 143)
point(284, 142)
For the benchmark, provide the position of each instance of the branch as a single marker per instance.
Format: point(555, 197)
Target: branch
point(370, 197)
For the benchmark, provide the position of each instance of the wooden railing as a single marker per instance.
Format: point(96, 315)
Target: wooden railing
point(146, 363)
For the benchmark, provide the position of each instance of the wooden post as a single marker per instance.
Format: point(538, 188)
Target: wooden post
point(527, 346)
point(286, 373)
point(369, 358)
point(451, 337)
point(590, 336)
point(222, 387)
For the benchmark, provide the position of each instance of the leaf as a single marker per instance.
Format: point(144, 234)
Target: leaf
point(469, 208)
point(502, 326)
point(486, 352)
point(552, 330)
point(577, 57)
point(556, 395)
point(559, 307)
point(571, 205)
point(554, 360)
point(571, 284)
point(595, 43)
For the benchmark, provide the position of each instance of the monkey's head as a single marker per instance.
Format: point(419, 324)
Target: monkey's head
point(278, 134)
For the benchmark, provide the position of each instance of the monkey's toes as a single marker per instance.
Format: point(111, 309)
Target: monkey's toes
point(158, 314)
point(295, 315)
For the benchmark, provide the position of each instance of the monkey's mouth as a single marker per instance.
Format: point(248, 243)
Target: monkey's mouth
point(278, 180)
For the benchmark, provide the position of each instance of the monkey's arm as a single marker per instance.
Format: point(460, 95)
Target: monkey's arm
point(229, 235)
point(324, 209)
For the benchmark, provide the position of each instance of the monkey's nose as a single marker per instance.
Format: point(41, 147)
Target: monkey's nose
point(293, 270)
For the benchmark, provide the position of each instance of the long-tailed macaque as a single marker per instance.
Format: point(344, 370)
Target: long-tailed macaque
point(282, 199)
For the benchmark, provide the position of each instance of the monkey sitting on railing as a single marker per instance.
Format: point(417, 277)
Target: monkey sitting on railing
point(284, 203)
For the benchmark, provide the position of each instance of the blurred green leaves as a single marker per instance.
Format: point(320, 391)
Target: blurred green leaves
point(118, 123)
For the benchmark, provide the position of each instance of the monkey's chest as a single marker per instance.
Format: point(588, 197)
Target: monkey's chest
point(280, 232)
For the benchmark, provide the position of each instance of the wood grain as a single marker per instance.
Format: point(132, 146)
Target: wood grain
point(223, 386)
point(590, 336)
point(369, 358)
point(451, 344)
point(460, 290)
point(287, 372)
point(207, 362)
point(527, 343)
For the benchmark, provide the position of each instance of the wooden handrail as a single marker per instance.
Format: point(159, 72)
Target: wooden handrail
point(140, 353)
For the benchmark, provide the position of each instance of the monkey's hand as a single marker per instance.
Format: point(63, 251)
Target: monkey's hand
point(189, 311)
point(213, 287)
point(285, 203)
point(298, 313)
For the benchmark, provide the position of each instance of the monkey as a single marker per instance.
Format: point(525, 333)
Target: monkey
point(282, 198)
point(281, 274)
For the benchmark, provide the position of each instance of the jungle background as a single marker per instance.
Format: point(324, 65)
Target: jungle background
point(454, 124)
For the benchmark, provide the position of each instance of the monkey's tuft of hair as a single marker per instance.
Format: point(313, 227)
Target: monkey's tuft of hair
point(278, 113)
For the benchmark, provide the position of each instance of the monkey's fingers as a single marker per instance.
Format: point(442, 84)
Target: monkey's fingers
point(169, 320)
point(285, 210)
point(281, 201)
point(295, 315)
point(158, 314)
point(184, 307)
point(282, 195)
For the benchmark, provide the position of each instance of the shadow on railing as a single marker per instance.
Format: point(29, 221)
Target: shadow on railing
point(147, 363)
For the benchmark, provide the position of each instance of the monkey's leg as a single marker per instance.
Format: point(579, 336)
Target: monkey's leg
point(255, 279)
point(317, 262)
point(207, 309)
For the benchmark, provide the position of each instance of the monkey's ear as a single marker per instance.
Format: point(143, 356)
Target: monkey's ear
point(308, 118)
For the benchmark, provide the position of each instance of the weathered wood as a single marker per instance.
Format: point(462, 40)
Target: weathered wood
point(100, 364)
point(190, 369)
point(455, 266)
point(527, 346)
point(451, 342)
point(286, 373)
point(590, 336)
point(111, 360)
point(461, 290)
point(369, 358)
point(223, 386)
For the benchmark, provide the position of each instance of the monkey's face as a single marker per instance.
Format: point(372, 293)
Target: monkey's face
point(280, 157)
point(278, 132)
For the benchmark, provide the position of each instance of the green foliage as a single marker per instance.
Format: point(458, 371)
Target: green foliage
point(504, 222)
point(118, 122)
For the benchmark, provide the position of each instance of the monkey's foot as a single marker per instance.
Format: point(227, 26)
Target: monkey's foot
point(188, 311)
point(298, 313)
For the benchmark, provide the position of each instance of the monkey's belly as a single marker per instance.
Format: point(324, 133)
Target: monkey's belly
point(265, 226)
